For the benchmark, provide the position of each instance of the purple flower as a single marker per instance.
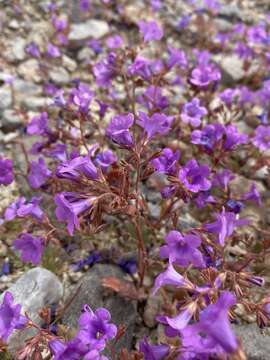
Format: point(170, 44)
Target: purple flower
point(171, 277)
point(21, 208)
point(253, 195)
point(31, 248)
point(118, 129)
point(166, 162)
point(208, 137)
point(153, 352)
point(33, 50)
point(257, 35)
point(53, 51)
point(58, 151)
point(69, 206)
point(233, 138)
point(114, 42)
point(180, 321)
point(223, 178)
point(140, 67)
point(10, 318)
point(153, 99)
point(184, 22)
point(224, 225)
point(204, 75)
point(195, 177)
point(177, 58)
point(204, 198)
point(228, 95)
point(72, 350)
point(39, 173)
point(105, 70)
point(72, 169)
point(150, 30)
point(213, 333)
point(155, 124)
point(105, 159)
point(262, 138)
point(59, 24)
point(38, 125)
point(182, 250)
point(95, 328)
point(192, 112)
point(85, 5)
point(82, 97)
point(6, 171)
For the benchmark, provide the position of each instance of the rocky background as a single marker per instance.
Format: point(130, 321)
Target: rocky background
point(22, 95)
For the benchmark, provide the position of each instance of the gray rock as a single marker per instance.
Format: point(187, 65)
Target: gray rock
point(230, 12)
point(29, 70)
point(90, 29)
point(59, 75)
point(232, 67)
point(92, 293)
point(9, 120)
point(24, 89)
point(36, 289)
point(36, 103)
point(255, 344)
point(15, 49)
point(5, 97)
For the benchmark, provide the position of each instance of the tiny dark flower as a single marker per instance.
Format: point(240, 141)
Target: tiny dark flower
point(6, 171)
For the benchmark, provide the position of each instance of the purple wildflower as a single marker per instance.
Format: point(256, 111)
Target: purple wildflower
point(224, 225)
point(166, 162)
point(72, 169)
point(155, 124)
point(171, 277)
point(10, 318)
point(21, 208)
point(213, 334)
point(58, 151)
point(105, 70)
point(140, 67)
point(114, 42)
point(195, 177)
point(33, 50)
point(233, 138)
point(204, 75)
point(153, 99)
point(82, 97)
point(192, 112)
point(39, 173)
point(31, 248)
point(262, 138)
point(153, 352)
point(71, 350)
point(208, 137)
point(150, 30)
point(105, 159)
point(182, 250)
point(177, 58)
point(228, 95)
point(69, 206)
point(95, 328)
point(53, 51)
point(118, 129)
point(59, 24)
point(253, 195)
point(6, 171)
point(85, 5)
point(223, 178)
point(38, 125)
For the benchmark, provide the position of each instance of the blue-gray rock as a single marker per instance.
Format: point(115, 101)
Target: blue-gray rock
point(92, 293)
point(35, 289)
point(255, 344)
point(92, 28)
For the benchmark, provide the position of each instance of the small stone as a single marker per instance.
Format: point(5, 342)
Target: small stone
point(152, 308)
point(10, 120)
point(3, 249)
point(15, 50)
point(35, 289)
point(85, 54)
point(14, 25)
point(24, 89)
point(230, 12)
point(69, 64)
point(92, 293)
point(36, 103)
point(5, 97)
point(255, 344)
point(232, 67)
point(29, 70)
point(262, 173)
point(90, 29)
point(154, 210)
point(59, 75)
